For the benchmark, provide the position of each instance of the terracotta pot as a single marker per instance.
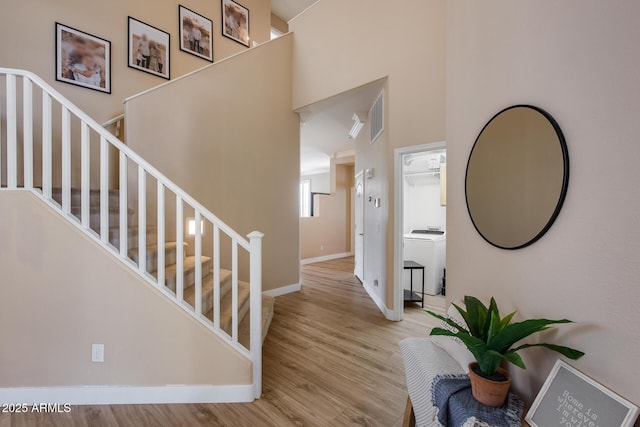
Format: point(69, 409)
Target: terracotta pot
point(486, 391)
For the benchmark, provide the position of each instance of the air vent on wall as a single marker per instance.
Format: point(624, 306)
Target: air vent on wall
point(376, 118)
point(358, 124)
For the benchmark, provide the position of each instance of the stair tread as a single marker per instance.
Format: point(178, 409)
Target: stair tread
point(189, 263)
point(153, 248)
point(78, 190)
point(226, 305)
point(96, 209)
point(207, 287)
point(134, 227)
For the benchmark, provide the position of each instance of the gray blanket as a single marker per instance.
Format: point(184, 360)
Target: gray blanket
point(451, 394)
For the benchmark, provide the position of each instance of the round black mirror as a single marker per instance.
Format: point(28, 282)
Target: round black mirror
point(517, 177)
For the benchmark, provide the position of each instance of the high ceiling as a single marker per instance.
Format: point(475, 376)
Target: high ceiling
point(325, 125)
point(289, 9)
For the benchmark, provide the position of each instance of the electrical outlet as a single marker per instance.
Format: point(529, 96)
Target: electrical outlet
point(375, 282)
point(321, 247)
point(97, 353)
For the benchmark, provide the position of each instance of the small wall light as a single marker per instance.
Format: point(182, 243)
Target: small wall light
point(191, 227)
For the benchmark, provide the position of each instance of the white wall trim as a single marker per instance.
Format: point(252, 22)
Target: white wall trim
point(128, 395)
point(284, 290)
point(398, 219)
point(325, 258)
point(389, 314)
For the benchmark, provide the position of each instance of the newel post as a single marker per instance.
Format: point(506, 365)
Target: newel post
point(255, 303)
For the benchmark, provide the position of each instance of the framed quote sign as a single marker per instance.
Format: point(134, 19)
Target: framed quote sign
point(569, 398)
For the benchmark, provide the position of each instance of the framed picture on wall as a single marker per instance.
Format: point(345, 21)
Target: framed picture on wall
point(82, 59)
point(569, 397)
point(235, 22)
point(196, 34)
point(148, 48)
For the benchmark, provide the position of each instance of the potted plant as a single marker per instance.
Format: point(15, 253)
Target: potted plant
point(491, 339)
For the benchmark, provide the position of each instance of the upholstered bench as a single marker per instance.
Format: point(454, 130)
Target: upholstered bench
point(423, 361)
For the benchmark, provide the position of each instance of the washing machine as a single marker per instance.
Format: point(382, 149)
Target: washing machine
point(426, 247)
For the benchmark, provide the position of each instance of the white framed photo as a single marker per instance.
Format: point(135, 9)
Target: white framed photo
point(571, 398)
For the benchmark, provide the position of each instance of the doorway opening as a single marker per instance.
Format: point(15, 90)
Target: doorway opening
point(329, 132)
point(420, 228)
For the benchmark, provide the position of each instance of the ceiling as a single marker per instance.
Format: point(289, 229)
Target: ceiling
point(289, 9)
point(324, 127)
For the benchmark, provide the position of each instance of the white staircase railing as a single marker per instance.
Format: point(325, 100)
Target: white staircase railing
point(116, 123)
point(94, 147)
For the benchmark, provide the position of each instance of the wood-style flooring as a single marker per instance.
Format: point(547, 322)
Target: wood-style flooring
point(330, 359)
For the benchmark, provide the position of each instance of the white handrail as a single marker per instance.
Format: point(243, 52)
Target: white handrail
point(112, 121)
point(145, 172)
point(132, 155)
point(117, 120)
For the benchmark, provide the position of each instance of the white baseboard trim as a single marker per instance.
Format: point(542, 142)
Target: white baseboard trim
point(389, 314)
point(325, 258)
point(125, 395)
point(284, 290)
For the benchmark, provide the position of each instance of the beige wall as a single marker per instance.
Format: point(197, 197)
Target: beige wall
point(329, 233)
point(279, 24)
point(576, 62)
point(33, 47)
point(406, 45)
point(234, 146)
point(61, 292)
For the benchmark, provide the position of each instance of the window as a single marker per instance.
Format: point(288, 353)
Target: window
point(305, 198)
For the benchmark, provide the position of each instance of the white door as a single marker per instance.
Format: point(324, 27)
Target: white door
point(359, 227)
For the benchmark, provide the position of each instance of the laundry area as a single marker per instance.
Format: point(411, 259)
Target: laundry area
point(424, 226)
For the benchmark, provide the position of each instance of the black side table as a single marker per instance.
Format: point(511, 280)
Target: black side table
point(409, 295)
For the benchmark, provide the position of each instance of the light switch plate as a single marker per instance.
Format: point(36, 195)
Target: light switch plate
point(97, 353)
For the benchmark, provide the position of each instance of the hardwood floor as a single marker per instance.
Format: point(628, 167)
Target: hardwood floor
point(330, 359)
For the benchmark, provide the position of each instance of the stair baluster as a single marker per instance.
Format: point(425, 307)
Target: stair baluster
point(12, 134)
point(27, 133)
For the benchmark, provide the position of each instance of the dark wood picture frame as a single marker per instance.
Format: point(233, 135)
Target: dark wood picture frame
point(149, 48)
point(82, 59)
point(195, 39)
point(235, 22)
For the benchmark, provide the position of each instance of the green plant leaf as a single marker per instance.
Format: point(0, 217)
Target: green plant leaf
point(515, 358)
point(569, 352)
point(515, 332)
point(472, 343)
point(483, 324)
point(448, 321)
point(494, 326)
point(475, 316)
point(493, 307)
point(471, 323)
point(505, 321)
point(489, 361)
